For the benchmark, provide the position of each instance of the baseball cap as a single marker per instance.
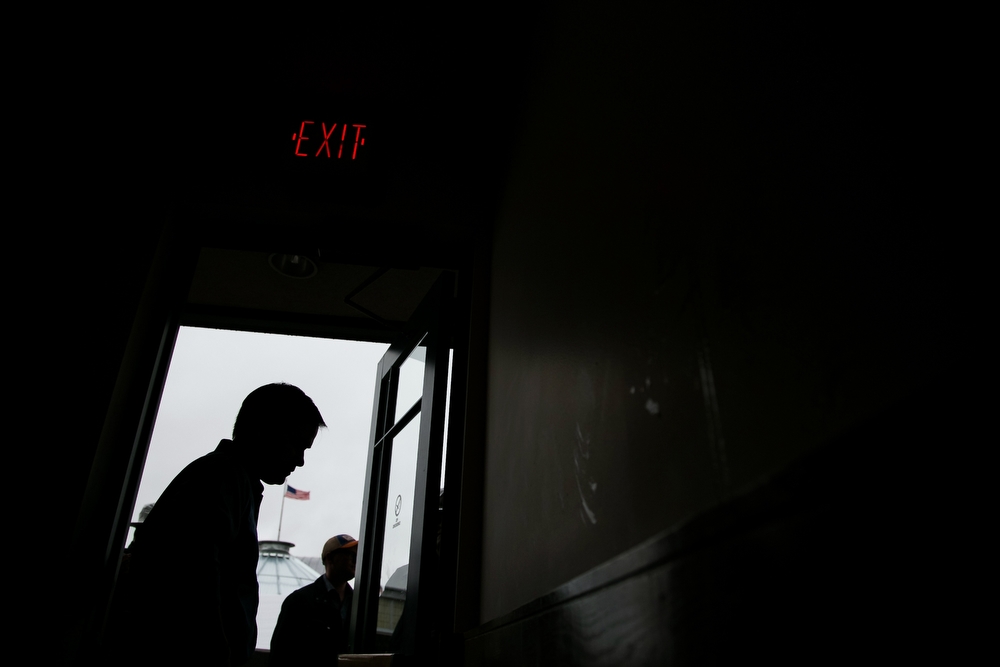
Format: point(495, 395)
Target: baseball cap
point(338, 542)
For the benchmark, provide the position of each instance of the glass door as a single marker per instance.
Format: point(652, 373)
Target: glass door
point(400, 525)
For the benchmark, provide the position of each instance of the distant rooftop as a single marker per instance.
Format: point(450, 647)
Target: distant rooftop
point(278, 571)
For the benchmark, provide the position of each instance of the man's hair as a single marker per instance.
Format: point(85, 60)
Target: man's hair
point(271, 410)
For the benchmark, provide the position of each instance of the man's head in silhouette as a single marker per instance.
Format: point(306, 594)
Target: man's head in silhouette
point(276, 424)
point(340, 555)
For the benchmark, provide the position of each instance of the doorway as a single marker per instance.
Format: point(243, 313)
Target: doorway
point(210, 372)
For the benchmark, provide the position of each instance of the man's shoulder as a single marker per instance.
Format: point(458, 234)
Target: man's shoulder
point(219, 470)
point(303, 599)
point(309, 591)
point(194, 497)
point(223, 456)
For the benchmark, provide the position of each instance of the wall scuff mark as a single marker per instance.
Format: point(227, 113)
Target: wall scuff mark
point(580, 456)
point(713, 418)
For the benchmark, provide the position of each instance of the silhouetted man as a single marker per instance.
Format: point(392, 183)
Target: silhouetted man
point(314, 621)
point(191, 592)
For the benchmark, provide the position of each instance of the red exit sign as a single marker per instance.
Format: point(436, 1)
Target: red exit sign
point(328, 141)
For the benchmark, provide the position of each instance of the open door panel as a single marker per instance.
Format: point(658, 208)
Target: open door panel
point(401, 519)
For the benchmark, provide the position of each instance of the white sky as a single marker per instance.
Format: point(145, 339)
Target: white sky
point(210, 374)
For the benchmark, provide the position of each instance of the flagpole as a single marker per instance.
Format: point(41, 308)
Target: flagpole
point(284, 489)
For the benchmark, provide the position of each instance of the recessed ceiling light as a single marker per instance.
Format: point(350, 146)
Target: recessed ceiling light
point(293, 266)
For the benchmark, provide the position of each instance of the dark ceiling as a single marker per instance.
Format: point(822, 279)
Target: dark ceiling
point(247, 289)
point(443, 105)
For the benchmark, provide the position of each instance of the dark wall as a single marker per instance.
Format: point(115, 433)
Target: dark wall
point(821, 564)
point(720, 247)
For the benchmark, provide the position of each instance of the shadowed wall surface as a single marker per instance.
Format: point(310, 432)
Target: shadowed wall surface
point(705, 266)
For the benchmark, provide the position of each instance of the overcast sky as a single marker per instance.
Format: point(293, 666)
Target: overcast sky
point(211, 372)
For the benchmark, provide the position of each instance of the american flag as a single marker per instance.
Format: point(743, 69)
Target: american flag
point(292, 492)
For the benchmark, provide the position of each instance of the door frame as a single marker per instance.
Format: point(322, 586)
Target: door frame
point(430, 328)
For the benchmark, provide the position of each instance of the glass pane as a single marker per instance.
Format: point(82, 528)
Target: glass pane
point(447, 413)
point(398, 524)
point(411, 381)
